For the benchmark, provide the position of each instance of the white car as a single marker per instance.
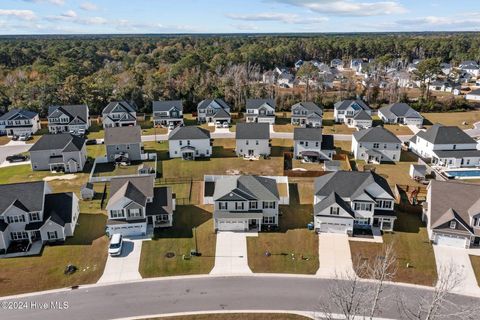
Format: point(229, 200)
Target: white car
point(23, 137)
point(218, 124)
point(171, 126)
point(116, 244)
point(226, 125)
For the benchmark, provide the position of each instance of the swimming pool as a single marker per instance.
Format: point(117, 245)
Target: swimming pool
point(463, 174)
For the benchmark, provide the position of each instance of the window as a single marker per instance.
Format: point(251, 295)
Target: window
point(34, 216)
point(334, 211)
point(453, 224)
point(163, 217)
point(20, 235)
point(256, 142)
point(208, 152)
point(376, 145)
point(246, 142)
point(16, 219)
point(362, 206)
point(268, 204)
point(301, 143)
point(188, 142)
point(394, 156)
point(117, 213)
point(268, 220)
point(239, 205)
point(52, 235)
point(385, 146)
point(222, 205)
point(316, 144)
point(454, 146)
point(253, 205)
point(384, 204)
point(134, 213)
point(306, 143)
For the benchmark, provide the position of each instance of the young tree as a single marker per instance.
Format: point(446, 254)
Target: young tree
point(427, 69)
point(307, 72)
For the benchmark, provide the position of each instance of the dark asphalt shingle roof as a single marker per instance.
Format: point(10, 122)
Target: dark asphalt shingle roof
point(205, 103)
point(189, 132)
point(376, 134)
point(457, 153)
point(78, 112)
point(309, 106)
point(400, 110)
point(137, 189)
point(342, 105)
point(162, 202)
point(21, 113)
point(66, 142)
point(124, 105)
point(122, 135)
point(362, 115)
point(257, 103)
point(167, 105)
point(246, 187)
point(331, 199)
point(252, 130)
point(27, 196)
point(309, 134)
point(440, 134)
point(58, 208)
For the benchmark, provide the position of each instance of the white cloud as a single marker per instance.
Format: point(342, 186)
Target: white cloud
point(289, 18)
point(349, 7)
point(19, 14)
point(69, 14)
point(466, 21)
point(55, 2)
point(89, 6)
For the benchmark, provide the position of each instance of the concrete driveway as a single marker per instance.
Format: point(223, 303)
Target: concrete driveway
point(334, 255)
point(231, 253)
point(125, 266)
point(446, 256)
point(13, 147)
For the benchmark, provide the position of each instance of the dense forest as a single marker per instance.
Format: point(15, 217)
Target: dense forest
point(36, 72)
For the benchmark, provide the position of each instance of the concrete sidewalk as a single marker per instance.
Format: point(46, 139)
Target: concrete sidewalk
point(231, 253)
point(334, 256)
point(125, 266)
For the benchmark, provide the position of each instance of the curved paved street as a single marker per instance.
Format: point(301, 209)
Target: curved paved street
point(193, 294)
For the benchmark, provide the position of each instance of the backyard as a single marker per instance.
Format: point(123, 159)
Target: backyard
point(453, 118)
point(291, 249)
point(111, 170)
point(168, 253)
point(413, 250)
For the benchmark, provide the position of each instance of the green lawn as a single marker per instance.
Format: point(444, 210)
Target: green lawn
point(180, 240)
point(411, 245)
point(475, 260)
point(293, 249)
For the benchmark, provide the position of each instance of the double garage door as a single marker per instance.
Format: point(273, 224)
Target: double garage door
point(126, 230)
point(334, 227)
point(451, 241)
point(231, 225)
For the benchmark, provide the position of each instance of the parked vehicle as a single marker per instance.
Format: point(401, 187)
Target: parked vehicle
point(17, 158)
point(91, 142)
point(171, 126)
point(218, 124)
point(116, 244)
point(15, 138)
point(24, 137)
point(226, 125)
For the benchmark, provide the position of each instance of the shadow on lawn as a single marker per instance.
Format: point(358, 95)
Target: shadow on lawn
point(294, 215)
point(90, 227)
point(185, 219)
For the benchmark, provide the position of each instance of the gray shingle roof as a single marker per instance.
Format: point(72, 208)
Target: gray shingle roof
point(121, 135)
point(127, 107)
point(64, 141)
point(400, 110)
point(342, 105)
point(362, 115)
point(457, 153)
point(167, 105)
point(246, 188)
point(440, 134)
point(257, 103)
point(310, 106)
point(58, 208)
point(73, 111)
point(21, 113)
point(137, 189)
point(27, 196)
point(309, 134)
point(333, 198)
point(252, 130)
point(162, 202)
point(376, 134)
point(189, 132)
point(205, 103)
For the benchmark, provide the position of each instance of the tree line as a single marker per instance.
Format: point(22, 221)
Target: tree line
point(36, 72)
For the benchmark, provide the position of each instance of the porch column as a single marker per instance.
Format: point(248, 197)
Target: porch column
point(259, 223)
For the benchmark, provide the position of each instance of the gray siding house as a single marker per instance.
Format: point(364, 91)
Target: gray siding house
point(310, 145)
point(119, 114)
point(400, 113)
point(260, 110)
point(376, 145)
point(123, 143)
point(345, 200)
point(59, 152)
point(166, 113)
point(18, 122)
point(189, 143)
point(307, 114)
point(252, 139)
point(72, 118)
point(135, 204)
point(354, 113)
point(213, 111)
point(31, 214)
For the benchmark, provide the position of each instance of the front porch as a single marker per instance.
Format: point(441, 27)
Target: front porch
point(188, 153)
point(56, 164)
point(23, 248)
point(372, 156)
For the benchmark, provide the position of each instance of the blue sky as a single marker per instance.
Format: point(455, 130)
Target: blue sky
point(215, 16)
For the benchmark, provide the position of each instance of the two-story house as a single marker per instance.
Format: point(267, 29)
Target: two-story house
point(213, 111)
point(400, 113)
point(252, 139)
point(376, 145)
point(72, 118)
point(345, 200)
point(260, 110)
point(19, 122)
point(310, 145)
point(243, 203)
point(135, 204)
point(452, 213)
point(167, 113)
point(307, 114)
point(30, 214)
point(354, 113)
point(62, 152)
point(189, 143)
point(123, 143)
point(119, 114)
point(446, 146)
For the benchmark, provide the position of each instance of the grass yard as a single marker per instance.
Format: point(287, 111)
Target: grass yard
point(4, 140)
point(180, 240)
point(411, 245)
point(475, 260)
point(453, 118)
point(87, 250)
point(109, 169)
point(330, 127)
point(398, 130)
point(293, 249)
point(236, 316)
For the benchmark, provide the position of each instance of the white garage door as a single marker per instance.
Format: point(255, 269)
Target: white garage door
point(230, 225)
point(138, 229)
point(334, 227)
point(444, 240)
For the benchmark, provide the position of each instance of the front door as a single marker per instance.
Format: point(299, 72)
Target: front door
point(251, 153)
point(252, 224)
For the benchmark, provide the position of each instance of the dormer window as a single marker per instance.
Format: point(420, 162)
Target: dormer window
point(453, 224)
point(334, 211)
